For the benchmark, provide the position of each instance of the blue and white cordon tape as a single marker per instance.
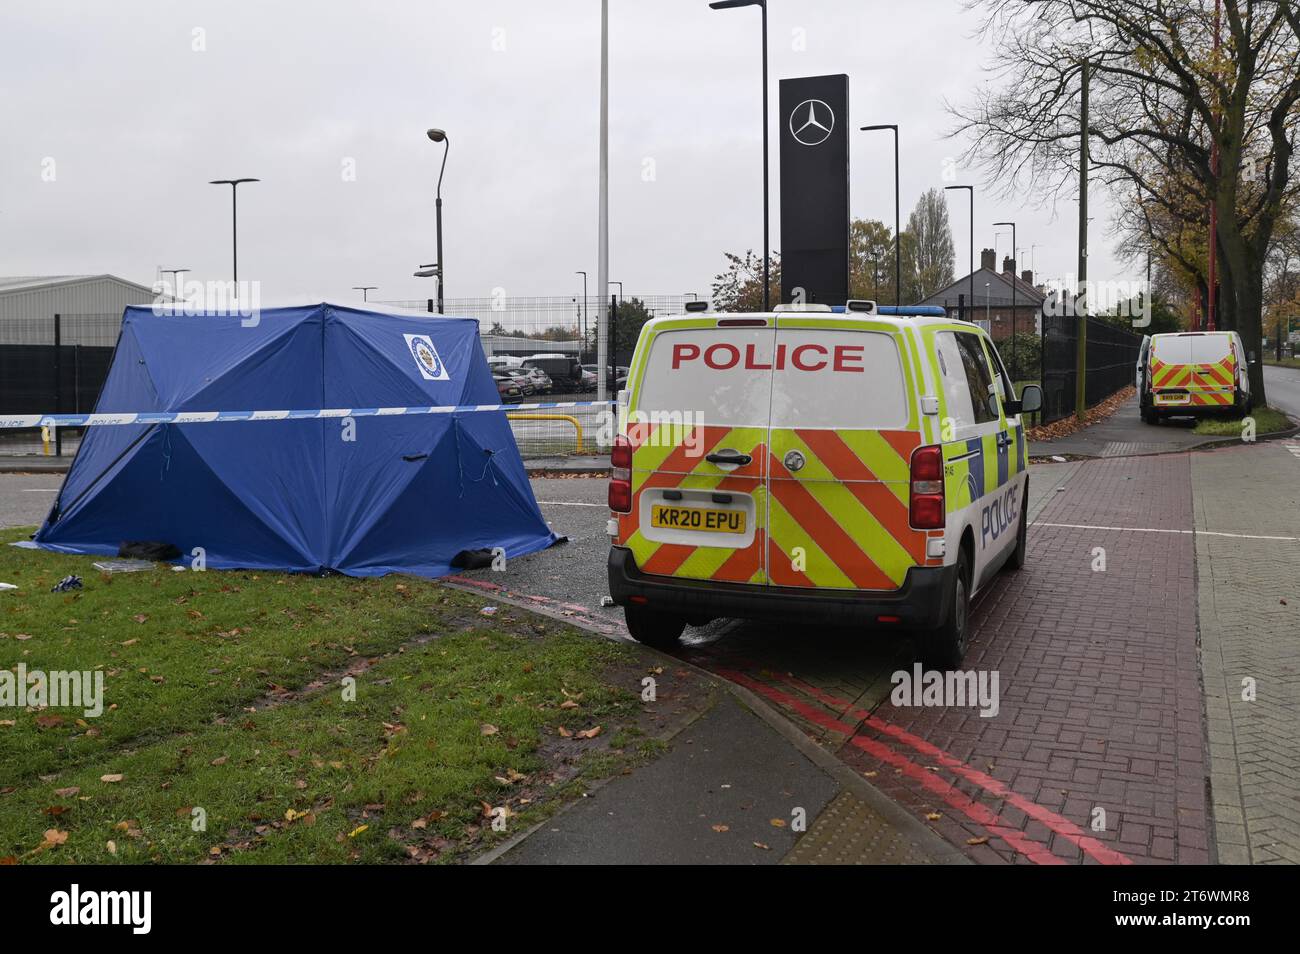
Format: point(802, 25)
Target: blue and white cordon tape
point(211, 417)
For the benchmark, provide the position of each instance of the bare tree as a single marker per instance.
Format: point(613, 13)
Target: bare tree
point(1161, 98)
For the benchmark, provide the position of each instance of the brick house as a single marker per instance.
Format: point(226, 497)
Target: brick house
point(993, 297)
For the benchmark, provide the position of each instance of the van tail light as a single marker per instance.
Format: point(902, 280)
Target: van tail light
point(620, 476)
point(927, 511)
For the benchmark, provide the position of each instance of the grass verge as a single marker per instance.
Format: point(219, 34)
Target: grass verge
point(227, 731)
point(1267, 421)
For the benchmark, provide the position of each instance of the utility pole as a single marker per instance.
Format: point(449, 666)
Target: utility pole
point(1081, 295)
point(602, 240)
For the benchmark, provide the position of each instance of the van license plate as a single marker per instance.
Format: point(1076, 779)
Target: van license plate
point(1173, 397)
point(697, 518)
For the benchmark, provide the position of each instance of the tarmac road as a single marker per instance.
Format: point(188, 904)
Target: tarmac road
point(1283, 388)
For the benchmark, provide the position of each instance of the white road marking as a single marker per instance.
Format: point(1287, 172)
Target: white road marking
point(1204, 533)
point(40, 490)
point(571, 503)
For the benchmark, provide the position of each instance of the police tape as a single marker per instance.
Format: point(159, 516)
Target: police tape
point(216, 417)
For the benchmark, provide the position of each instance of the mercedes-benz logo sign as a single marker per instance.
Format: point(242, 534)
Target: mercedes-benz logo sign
point(811, 122)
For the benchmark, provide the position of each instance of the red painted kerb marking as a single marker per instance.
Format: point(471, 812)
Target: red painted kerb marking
point(978, 813)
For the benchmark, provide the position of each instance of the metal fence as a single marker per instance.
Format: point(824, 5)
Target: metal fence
point(1111, 358)
point(59, 363)
point(52, 363)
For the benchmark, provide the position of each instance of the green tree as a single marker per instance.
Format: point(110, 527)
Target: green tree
point(932, 250)
point(740, 285)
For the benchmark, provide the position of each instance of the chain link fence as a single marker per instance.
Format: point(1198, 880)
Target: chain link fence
point(1111, 361)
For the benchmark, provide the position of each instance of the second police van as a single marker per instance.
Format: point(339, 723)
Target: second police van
point(855, 468)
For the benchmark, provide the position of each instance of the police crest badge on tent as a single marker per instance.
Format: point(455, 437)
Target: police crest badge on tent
point(365, 496)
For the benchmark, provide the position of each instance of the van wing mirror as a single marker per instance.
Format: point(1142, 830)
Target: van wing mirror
point(1031, 399)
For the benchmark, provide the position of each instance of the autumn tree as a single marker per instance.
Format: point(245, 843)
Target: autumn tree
point(1162, 99)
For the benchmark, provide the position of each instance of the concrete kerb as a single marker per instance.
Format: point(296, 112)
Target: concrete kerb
point(938, 849)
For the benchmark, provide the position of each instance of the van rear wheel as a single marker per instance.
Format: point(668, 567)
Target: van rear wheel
point(944, 646)
point(660, 630)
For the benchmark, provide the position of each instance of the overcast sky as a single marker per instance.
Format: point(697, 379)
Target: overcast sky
point(114, 123)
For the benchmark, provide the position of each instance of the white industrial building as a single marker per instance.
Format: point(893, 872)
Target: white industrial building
point(90, 307)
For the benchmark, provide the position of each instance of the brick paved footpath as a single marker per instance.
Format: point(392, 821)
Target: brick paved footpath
point(1250, 629)
point(1101, 704)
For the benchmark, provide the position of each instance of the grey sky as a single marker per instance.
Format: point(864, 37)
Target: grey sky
point(136, 122)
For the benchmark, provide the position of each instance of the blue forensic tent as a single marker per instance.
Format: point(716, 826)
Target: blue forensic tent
point(406, 494)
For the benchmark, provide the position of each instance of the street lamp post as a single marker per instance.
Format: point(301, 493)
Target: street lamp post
point(439, 269)
point(767, 278)
point(1013, 294)
point(583, 334)
point(898, 261)
point(234, 222)
point(365, 291)
point(971, 190)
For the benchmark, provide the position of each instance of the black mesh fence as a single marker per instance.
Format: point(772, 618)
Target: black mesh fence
point(1111, 359)
point(52, 363)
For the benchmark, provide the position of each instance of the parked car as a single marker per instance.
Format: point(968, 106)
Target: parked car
point(588, 382)
point(615, 380)
point(538, 378)
point(564, 371)
point(507, 389)
point(523, 379)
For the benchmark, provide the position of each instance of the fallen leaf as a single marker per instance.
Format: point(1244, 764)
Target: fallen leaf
point(220, 760)
point(759, 844)
point(22, 637)
point(933, 816)
point(130, 642)
point(110, 778)
point(6, 721)
point(564, 733)
point(568, 704)
point(977, 841)
point(111, 846)
point(54, 810)
point(487, 728)
point(721, 828)
point(778, 822)
point(49, 721)
point(67, 792)
point(589, 733)
point(358, 830)
point(55, 837)
point(140, 618)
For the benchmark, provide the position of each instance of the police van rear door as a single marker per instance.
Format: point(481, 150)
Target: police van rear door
point(697, 422)
point(844, 423)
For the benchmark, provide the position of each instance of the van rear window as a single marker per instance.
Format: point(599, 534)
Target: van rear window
point(794, 377)
point(835, 378)
point(711, 375)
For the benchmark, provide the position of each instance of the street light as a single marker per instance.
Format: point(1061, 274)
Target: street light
point(1013, 295)
point(971, 190)
point(234, 222)
point(767, 278)
point(176, 283)
point(438, 269)
point(898, 267)
point(365, 290)
point(584, 306)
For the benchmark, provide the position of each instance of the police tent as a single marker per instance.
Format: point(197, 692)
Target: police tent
point(387, 481)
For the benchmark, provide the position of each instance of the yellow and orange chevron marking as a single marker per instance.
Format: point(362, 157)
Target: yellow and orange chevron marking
point(1207, 385)
point(680, 464)
point(847, 509)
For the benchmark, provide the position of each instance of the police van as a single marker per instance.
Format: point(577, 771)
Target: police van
point(1190, 373)
point(862, 467)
